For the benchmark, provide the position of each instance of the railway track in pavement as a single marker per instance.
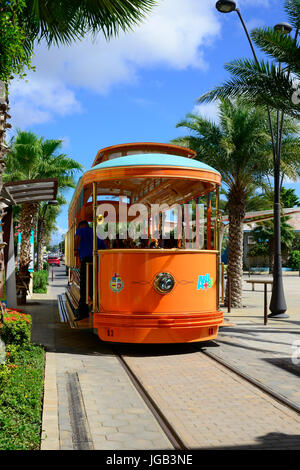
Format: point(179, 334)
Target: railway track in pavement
point(253, 381)
point(164, 423)
point(203, 402)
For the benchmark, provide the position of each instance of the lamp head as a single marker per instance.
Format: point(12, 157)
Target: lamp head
point(225, 6)
point(54, 202)
point(284, 28)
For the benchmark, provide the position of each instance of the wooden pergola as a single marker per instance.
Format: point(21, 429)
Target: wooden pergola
point(31, 190)
point(14, 193)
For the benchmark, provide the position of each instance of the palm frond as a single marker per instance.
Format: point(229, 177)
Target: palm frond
point(292, 8)
point(63, 21)
point(259, 84)
point(280, 47)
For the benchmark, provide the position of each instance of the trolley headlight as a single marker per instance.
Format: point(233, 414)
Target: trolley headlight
point(164, 283)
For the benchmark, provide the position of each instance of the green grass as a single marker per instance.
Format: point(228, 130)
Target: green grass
point(21, 394)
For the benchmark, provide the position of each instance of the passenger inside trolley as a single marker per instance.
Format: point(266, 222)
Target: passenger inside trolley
point(83, 248)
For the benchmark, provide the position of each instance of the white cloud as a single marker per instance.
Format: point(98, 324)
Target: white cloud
point(207, 110)
point(58, 235)
point(38, 99)
point(173, 36)
point(60, 230)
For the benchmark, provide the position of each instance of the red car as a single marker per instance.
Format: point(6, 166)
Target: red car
point(54, 259)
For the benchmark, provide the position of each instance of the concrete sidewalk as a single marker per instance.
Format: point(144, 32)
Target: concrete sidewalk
point(89, 401)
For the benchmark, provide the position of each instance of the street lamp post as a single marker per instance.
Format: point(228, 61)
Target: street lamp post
point(40, 230)
point(277, 304)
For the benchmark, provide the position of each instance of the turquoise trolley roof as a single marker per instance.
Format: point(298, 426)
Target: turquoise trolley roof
point(153, 159)
point(146, 160)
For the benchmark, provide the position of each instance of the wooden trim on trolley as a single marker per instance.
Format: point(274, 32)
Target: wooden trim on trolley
point(155, 250)
point(95, 309)
point(151, 171)
point(124, 148)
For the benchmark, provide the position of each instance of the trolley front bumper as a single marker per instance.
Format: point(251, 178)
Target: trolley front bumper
point(157, 328)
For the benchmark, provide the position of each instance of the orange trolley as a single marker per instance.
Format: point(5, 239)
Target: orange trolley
point(158, 210)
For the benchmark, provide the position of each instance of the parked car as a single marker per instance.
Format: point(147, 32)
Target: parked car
point(54, 260)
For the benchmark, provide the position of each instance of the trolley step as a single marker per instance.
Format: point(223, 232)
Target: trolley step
point(61, 300)
point(66, 313)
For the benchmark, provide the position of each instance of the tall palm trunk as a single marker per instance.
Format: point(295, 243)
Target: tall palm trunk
point(237, 209)
point(4, 125)
point(28, 219)
point(41, 242)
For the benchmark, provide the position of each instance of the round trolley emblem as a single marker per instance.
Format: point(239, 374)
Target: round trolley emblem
point(116, 284)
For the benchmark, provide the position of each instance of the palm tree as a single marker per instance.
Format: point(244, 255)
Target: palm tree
point(263, 82)
point(239, 148)
point(64, 21)
point(32, 158)
point(263, 234)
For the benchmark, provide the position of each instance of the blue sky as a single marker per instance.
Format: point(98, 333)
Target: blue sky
point(138, 86)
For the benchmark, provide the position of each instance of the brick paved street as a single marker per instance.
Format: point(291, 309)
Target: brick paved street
point(210, 406)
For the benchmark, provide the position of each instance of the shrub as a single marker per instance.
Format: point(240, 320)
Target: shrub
point(258, 250)
point(40, 282)
point(21, 393)
point(294, 260)
point(16, 328)
point(4, 376)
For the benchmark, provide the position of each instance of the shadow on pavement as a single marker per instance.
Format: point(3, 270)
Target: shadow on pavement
point(143, 350)
point(285, 363)
point(243, 346)
point(270, 441)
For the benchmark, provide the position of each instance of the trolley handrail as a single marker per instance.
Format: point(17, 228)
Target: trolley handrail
point(87, 281)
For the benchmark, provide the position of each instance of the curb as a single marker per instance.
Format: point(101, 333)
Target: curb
point(50, 429)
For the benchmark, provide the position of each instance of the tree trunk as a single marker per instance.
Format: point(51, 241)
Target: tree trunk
point(41, 242)
point(4, 125)
point(28, 218)
point(237, 206)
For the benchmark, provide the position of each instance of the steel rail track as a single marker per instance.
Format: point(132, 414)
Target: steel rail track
point(165, 425)
point(163, 422)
